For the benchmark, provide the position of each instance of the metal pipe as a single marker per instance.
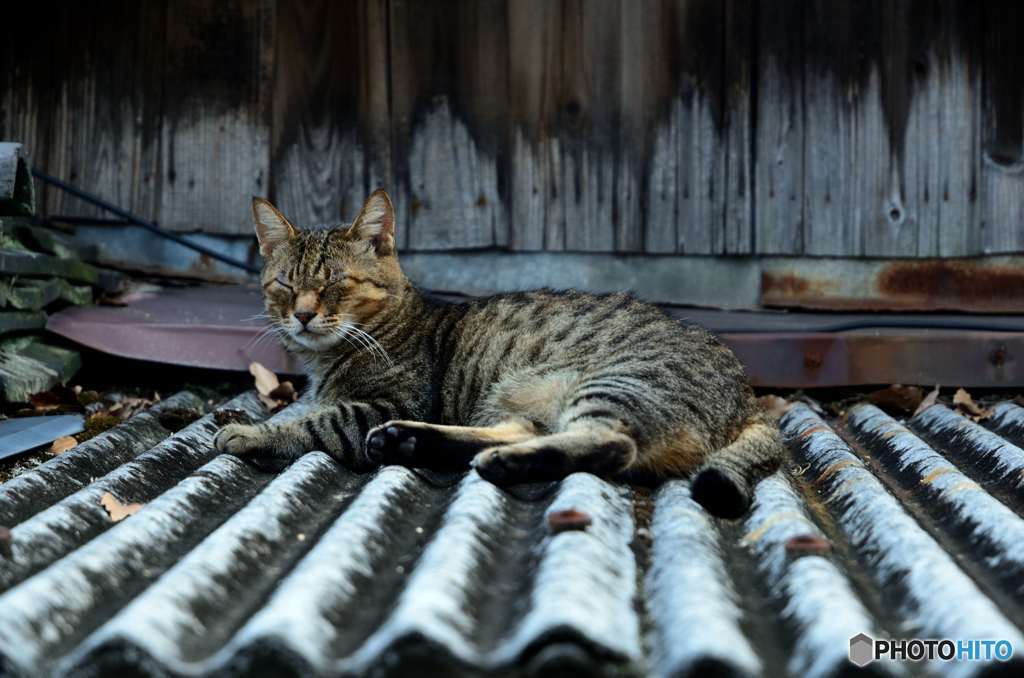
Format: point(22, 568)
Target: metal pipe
point(139, 221)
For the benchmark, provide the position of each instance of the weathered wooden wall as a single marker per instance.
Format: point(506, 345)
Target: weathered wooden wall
point(820, 127)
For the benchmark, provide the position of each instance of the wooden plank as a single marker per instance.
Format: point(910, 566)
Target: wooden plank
point(1002, 128)
point(779, 133)
point(19, 321)
point(738, 226)
point(17, 189)
point(29, 366)
point(32, 41)
point(216, 128)
point(686, 180)
point(331, 137)
point(449, 93)
point(845, 172)
point(617, 127)
point(107, 139)
point(942, 159)
point(19, 262)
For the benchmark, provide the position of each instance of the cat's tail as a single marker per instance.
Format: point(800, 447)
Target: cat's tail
point(725, 484)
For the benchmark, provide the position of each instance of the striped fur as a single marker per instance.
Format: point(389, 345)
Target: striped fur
point(523, 386)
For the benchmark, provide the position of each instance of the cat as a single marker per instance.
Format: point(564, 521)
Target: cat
point(523, 387)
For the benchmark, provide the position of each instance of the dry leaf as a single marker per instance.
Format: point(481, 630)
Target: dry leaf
point(117, 510)
point(897, 398)
point(965, 403)
point(928, 401)
point(5, 542)
point(775, 405)
point(266, 381)
point(63, 444)
point(284, 392)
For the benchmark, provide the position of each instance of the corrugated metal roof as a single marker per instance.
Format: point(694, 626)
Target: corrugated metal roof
point(891, 528)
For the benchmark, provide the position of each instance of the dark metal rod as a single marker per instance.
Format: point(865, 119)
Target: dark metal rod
point(87, 221)
point(139, 221)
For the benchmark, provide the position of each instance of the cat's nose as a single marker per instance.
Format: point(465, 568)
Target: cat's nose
point(303, 317)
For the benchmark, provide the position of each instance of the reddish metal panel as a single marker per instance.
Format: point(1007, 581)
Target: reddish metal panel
point(215, 327)
point(210, 327)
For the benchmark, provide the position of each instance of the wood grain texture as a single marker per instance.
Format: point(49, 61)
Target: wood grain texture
point(848, 182)
point(331, 120)
point(686, 180)
point(216, 129)
point(1002, 176)
point(713, 127)
point(449, 102)
point(779, 129)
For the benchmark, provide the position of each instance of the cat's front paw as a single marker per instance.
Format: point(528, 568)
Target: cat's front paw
point(393, 443)
point(253, 444)
point(239, 439)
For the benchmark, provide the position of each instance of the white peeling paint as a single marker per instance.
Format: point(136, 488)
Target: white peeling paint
point(54, 479)
point(296, 614)
point(218, 573)
point(986, 519)
point(1007, 458)
point(61, 528)
point(586, 579)
point(434, 603)
point(43, 612)
point(689, 593)
point(818, 600)
point(940, 600)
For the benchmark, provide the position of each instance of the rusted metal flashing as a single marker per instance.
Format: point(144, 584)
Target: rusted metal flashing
point(977, 285)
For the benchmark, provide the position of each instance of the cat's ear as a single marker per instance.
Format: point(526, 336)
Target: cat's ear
point(376, 223)
point(272, 228)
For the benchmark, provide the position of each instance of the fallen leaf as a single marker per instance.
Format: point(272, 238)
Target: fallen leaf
point(5, 542)
point(570, 519)
point(774, 405)
point(117, 510)
point(57, 399)
point(176, 418)
point(965, 403)
point(807, 545)
point(63, 444)
point(284, 392)
point(897, 398)
point(266, 381)
point(230, 415)
point(929, 400)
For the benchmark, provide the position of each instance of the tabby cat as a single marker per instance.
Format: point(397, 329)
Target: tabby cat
point(523, 387)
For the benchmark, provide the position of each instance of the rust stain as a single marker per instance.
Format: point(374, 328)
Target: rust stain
point(952, 284)
point(784, 285)
point(931, 477)
point(813, 360)
point(835, 468)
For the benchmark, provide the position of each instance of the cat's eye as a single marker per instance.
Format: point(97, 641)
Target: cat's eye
point(335, 276)
point(281, 281)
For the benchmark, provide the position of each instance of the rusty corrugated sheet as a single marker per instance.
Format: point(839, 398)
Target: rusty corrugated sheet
point(891, 528)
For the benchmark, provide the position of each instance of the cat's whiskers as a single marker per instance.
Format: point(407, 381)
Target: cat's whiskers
point(373, 343)
point(271, 329)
